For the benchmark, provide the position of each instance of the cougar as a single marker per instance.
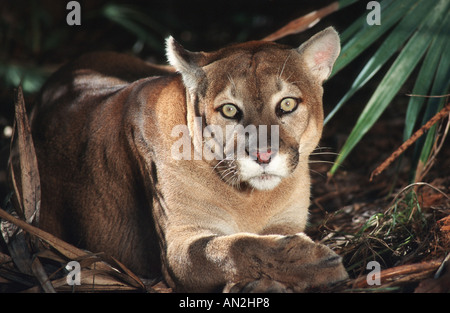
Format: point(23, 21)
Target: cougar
point(165, 167)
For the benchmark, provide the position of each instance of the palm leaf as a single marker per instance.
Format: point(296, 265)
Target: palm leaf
point(396, 76)
point(424, 81)
point(390, 46)
point(356, 43)
point(440, 86)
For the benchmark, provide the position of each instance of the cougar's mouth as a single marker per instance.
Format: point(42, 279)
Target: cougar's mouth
point(264, 176)
point(258, 176)
point(267, 176)
point(264, 181)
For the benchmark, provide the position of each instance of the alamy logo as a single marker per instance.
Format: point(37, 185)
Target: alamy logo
point(74, 16)
point(374, 16)
point(74, 276)
point(374, 277)
point(234, 144)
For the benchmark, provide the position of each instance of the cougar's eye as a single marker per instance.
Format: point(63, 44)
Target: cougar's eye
point(287, 105)
point(230, 111)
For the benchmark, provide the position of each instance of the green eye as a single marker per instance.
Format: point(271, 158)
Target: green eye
point(229, 111)
point(288, 105)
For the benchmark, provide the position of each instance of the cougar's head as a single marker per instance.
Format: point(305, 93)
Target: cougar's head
point(255, 109)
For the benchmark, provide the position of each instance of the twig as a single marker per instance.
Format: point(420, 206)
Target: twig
point(436, 148)
point(409, 187)
point(441, 114)
point(402, 273)
point(302, 23)
point(64, 248)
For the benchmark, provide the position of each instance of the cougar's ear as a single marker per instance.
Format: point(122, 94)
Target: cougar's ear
point(187, 63)
point(320, 52)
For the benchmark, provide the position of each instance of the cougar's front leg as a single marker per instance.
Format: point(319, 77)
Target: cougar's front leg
point(248, 262)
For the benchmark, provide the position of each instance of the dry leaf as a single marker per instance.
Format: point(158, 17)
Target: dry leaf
point(303, 23)
point(29, 195)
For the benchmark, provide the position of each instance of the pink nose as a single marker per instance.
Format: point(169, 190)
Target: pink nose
point(262, 157)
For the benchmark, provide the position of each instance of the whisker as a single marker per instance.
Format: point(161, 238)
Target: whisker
point(228, 172)
point(236, 183)
point(324, 153)
point(323, 148)
point(284, 65)
point(320, 147)
point(233, 180)
point(220, 163)
point(287, 78)
point(317, 173)
point(320, 161)
point(233, 84)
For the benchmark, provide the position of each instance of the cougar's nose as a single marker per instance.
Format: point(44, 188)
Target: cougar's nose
point(262, 156)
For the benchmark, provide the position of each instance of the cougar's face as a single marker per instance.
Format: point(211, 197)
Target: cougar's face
point(268, 113)
point(260, 106)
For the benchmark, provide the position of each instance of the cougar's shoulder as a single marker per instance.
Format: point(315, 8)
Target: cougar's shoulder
point(94, 126)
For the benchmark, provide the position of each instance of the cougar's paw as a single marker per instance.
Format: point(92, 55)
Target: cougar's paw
point(325, 269)
point(291, 263)
point(308, 264)
point(263, 285)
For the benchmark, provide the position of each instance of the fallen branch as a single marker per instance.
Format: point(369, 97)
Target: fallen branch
point(64, 248)
point(441, 114)
point(400, 274)
point(116, 274)
point(302, 23)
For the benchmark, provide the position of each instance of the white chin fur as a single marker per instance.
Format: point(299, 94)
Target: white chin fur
point(265, 177)
point(264, 182)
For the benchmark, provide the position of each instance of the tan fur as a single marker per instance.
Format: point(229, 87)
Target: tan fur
point(102, 131)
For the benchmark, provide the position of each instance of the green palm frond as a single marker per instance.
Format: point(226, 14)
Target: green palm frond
point(417, 30)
